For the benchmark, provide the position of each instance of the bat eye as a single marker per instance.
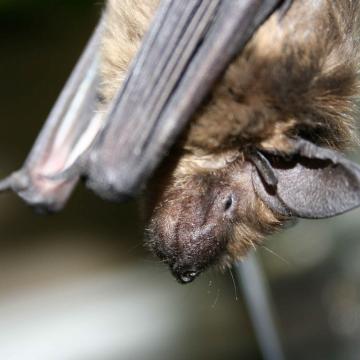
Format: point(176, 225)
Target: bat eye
point(228, 203)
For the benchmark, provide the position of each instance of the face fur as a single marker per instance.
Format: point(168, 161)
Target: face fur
point(207, 214)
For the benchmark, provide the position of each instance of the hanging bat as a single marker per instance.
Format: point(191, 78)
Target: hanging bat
point(232, 112)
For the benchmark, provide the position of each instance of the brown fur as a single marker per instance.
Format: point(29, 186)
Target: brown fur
point(126, 23)
point(297, 76)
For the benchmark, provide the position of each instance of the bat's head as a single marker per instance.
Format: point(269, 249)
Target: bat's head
point(214, 208)
point(208, 214)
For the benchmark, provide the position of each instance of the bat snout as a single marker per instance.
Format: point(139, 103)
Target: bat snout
point(185, 274)
point(190, 233)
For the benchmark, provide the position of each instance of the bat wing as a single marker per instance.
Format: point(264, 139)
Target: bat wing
point(189, 45)
point(72, 116)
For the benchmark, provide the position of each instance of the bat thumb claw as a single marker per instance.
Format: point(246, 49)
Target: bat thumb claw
point(17, 181)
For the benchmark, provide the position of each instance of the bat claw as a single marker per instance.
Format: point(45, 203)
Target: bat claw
point(37, 191)
point(17, 181)
point(6, 184)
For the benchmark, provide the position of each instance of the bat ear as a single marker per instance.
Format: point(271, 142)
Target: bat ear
point(311, 182)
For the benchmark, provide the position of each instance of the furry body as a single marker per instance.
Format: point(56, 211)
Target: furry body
point(298, 76)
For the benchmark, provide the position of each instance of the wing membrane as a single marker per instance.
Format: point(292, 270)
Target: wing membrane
point(71, 116)
point(189, 45)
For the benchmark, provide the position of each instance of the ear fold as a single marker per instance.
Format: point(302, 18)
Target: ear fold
point(312, 182)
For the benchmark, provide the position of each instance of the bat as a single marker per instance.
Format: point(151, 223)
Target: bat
point(233, 113)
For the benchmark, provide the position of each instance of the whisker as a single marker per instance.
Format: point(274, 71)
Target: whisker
point(249, 241)
point(213, 284)
point(234, 283)
point(135, 247)
point(272, 252)
point(216, 299)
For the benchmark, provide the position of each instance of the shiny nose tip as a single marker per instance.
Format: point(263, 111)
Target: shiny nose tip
point(187, 277)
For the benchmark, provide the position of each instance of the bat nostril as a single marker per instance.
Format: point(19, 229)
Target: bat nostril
point(188, 276)
point(185, 275)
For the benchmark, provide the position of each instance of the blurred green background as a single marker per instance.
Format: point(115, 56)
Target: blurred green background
point(79, 285)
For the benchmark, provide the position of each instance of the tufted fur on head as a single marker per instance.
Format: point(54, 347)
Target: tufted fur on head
point(297, 75)
point(297, 78)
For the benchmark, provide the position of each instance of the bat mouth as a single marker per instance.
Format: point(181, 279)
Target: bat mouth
point(185, 275)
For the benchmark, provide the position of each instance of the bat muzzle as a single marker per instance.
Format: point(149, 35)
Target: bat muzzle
point(184, 275)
